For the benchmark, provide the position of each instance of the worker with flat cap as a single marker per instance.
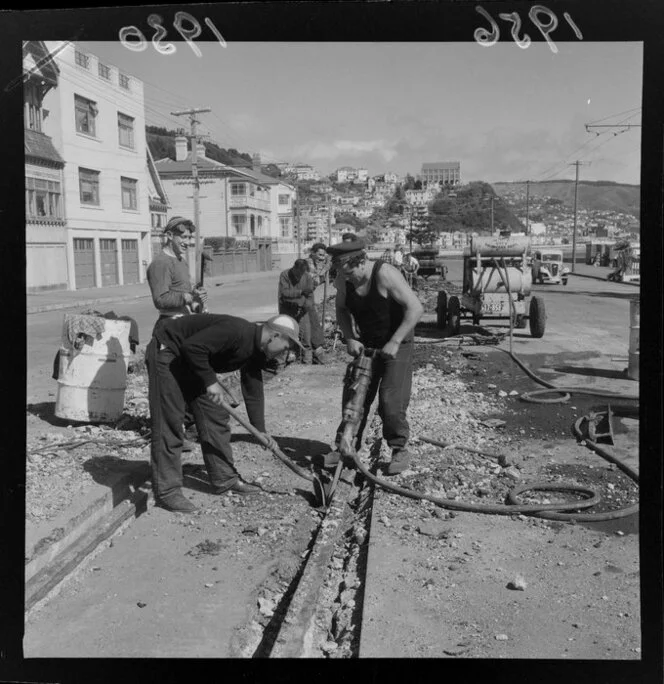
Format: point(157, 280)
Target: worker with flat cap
point(172, 289)
point(377, 310)
point(183, 359)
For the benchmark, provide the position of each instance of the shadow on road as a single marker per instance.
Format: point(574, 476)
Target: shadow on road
point(45, 411)
point(595, 372)
point(301, 451)
point(105, 470)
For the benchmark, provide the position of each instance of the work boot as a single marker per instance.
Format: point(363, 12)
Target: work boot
point(400, 461)
point(175, 502)
point(239, 487)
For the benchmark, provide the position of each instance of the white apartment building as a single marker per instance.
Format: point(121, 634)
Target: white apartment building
point(98, 126)
point(447, 173)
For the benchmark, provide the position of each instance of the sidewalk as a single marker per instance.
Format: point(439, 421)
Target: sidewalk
point(597, 273)
point(72, 299)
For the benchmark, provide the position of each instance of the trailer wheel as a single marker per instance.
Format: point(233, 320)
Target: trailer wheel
point(537, 317)
point(454, 315)
point(441, 310)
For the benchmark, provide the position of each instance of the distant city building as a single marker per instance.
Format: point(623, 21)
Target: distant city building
point(447, 173)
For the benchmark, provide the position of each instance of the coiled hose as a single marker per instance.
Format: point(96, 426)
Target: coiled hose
point(548, 511)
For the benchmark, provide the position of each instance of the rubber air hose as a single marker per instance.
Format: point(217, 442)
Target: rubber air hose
point(495, 509)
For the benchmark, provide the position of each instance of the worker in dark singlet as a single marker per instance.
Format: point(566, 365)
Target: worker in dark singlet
point(377, 310)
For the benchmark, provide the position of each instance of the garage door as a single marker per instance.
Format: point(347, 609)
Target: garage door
point(130, 271)
point(84, 262)
point(108, 256)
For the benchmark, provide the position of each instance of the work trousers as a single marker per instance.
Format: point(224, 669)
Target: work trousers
point(188, 415)
point(171, 387)
point(392, 379)
point(311, 329)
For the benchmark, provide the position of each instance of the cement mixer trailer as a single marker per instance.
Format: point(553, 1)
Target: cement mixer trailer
point(497, 280)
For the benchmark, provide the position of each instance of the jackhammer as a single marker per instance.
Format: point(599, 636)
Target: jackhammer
point(358, 377)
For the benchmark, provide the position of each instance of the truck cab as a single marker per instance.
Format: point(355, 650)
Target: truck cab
point(548, 267)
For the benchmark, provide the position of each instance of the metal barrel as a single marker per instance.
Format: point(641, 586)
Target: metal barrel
point(92, 380)
point(514, 245)
point(634, 327)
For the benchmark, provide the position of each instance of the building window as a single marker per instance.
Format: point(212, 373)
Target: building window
point(86, 115)
point(82, 59)
point(126, 130)
point(88, 183)
point(42, 198)
point(238, 189)
point(239, 224)
point(284, 199)
point(104, 72)
point(124, 81)
point(284, 223)
point(129, 194)
point(33, 107)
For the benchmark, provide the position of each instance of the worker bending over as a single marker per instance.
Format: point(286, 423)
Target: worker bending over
point(377, 310)
point(296, 299)
point(183, 359)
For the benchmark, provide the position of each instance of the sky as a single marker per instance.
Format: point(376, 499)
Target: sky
point(505, 113)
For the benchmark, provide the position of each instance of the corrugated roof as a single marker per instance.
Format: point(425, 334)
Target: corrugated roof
point(40, 146)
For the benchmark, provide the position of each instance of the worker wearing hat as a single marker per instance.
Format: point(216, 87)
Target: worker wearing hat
point(168, 274)
point(377, 310)
point(171, 287)
point(183, 360)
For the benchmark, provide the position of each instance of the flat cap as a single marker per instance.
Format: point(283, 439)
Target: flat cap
point(179, 225)
point(347, 249)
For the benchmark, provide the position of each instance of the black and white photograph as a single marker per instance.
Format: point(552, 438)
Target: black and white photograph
point(333, 336)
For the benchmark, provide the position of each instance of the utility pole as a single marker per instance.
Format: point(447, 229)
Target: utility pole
point(577, 163)
point(491, 214)
point(527, 207)
point(194, 265)
point(297, 213)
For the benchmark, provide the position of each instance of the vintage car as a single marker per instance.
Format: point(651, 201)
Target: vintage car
point(547, 267)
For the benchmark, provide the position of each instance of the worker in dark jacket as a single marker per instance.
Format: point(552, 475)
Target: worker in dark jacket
point(172, 290)
point(296, 299)
point(183, 359)
point(376, 309)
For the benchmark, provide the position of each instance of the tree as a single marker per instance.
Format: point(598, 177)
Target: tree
point(422, 231)
point(352, 220)
point(418, 185)
point(409, 182)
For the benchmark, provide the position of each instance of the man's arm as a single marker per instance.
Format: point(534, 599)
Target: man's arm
point(160, 280)
point(344, 317)
point(288, 291)
point(397, 288)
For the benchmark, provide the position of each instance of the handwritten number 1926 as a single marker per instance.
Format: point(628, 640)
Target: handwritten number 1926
point(488, 38)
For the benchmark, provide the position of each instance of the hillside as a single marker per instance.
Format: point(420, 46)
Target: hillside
point(593, 195)
point(162, 144)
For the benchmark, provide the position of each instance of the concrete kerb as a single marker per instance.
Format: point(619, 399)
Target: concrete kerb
point(55, 549)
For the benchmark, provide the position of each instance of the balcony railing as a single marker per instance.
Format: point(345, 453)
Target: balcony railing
point(248, 202)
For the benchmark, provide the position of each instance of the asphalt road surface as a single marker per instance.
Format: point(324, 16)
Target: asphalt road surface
point(254, 300)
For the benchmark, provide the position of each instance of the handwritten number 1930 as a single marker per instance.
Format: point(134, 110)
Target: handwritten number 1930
point(488, 38)
point(184, 23)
